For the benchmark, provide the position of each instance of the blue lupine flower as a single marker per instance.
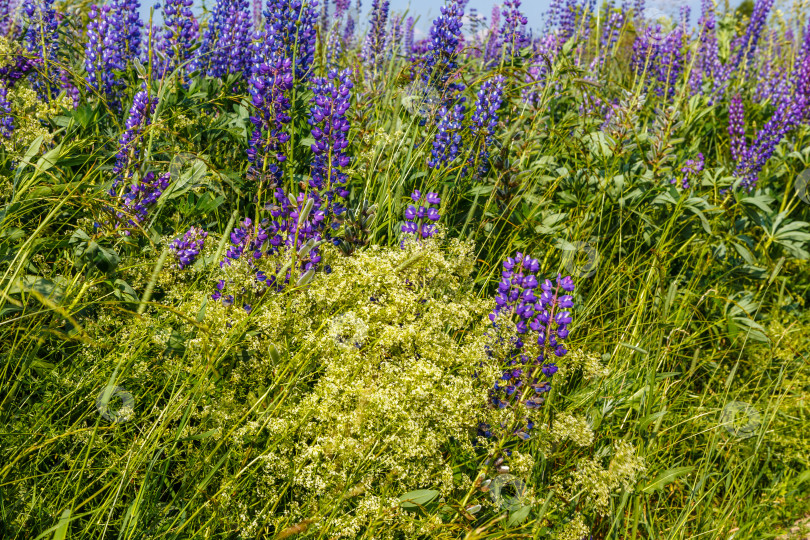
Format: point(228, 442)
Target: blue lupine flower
point(226, 42)
point(128, 146)
point(6, 120)
point(445, 38)
point(16, 68)
point(513, 36)
point(485, 120)
point(742, 48)
point(348, 32)
point(692, 167)
point(544, 318)
point(329, 129)
point(374, 44)
point(103, 57)
point(7, 13)
point(491, 50)
point(736, 127)
point(420, 220)
point(126, 19)
point(660, 57)
point(180, 32)
point(41, 42)
point(706, 61)
point(187, 248)
point(290, 32)
point(408, 40)
point(447, 144)
point(139, 197)
point(269, 85)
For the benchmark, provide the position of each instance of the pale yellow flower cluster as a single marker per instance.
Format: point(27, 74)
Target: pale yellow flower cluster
point(360, 379)
point(599, 483)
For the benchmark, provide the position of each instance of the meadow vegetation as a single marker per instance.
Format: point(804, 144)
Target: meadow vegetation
point(274, 271)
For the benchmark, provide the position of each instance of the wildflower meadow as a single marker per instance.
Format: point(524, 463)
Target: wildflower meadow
point(318, 269)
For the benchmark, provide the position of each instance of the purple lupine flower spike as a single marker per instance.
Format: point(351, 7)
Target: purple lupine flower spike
point(269, 86)
point(348, 32)
point(513, 36)
point(444, 41)
point(5, 17)
point(736, 128)
point(485, 120)
point(187, 248)
point(706, 61)
point(139, 197)
point(103, 56)
point(180, 31)
point(692, 167)
point(290, 32)
point(330, 129)
point(409, 28)
point(660, 58)
point(6, 119)
point(225, 47)
point(374, 44)
point(492, 50)
point(542, 317)
point(447, 145)
point(420, 220)
point(41, 41)
point(126, 19)
point(129, 145)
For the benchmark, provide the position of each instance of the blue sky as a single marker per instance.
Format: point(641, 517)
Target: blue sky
point(427, 10)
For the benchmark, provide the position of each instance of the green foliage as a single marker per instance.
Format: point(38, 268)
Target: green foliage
point(347, 405)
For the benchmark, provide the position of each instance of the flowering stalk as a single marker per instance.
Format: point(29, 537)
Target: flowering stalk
point(348, 32)
point(329, 129)
point(660, 57)
point(692, 167)
point(268, 85)
point(180, 32)
point(187, 249)
point(736, 128)
point(41, 41)
point(126, 19)
point(544, 319)
point(447, 144)
point(485, 120)
point(706, 61)
point(409, 28)
point(139, 198)
point(225, 47)
point(420, 221)
point(290, 32)
point(444, 41)
point(743, 48)
point(103, 56)
point(129, 144)
point(6, 119)
point(374, 44)
point(6, 16)
point(492, 51)
point(513, 36)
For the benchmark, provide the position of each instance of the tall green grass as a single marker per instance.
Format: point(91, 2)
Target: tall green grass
point(697, 300)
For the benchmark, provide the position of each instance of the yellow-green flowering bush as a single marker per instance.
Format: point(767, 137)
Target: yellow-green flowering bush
point(375, 365)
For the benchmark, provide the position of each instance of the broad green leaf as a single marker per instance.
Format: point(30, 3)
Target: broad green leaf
point(519, 516)
point(414, 499)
